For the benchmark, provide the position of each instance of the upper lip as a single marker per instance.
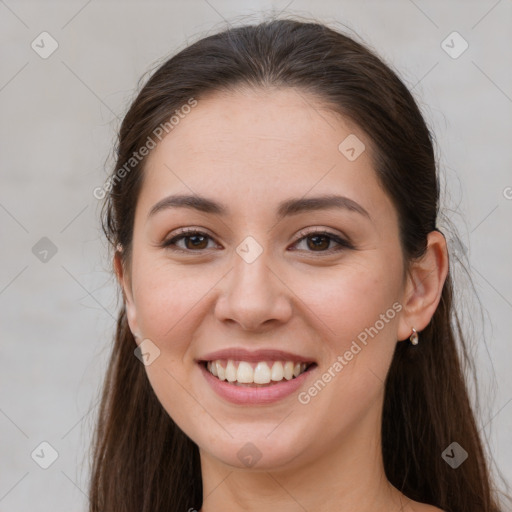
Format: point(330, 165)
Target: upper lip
point(241, 354)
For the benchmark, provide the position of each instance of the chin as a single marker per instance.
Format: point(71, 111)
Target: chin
point(256, 449)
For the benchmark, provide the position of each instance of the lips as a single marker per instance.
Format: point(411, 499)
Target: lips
point(251, 372)
point(240, 354)
point(256, 394)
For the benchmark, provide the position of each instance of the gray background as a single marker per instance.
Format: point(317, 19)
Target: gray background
point(58, 122)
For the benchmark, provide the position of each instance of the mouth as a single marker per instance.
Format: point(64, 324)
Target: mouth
point(256, 374)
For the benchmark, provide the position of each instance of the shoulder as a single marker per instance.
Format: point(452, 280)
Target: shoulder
point(409, 505)
point(423, 507)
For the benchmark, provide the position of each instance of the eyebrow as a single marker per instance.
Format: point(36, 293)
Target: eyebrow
point(285, 208)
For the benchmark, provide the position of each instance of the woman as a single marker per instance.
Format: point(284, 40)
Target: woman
point(286, 340)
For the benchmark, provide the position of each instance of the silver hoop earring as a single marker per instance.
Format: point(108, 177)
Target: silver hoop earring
point(413, 338)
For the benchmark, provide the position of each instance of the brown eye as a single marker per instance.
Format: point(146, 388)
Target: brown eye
point(193, 241)
point(196, 241)
point(320, 241)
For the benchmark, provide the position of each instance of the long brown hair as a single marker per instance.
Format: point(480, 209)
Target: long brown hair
point(141, 461)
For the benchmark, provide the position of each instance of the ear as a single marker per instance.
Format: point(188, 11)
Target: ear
point(424, 285)
point(123, 279)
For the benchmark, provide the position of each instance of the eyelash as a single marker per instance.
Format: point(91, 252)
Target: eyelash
point(189, 232)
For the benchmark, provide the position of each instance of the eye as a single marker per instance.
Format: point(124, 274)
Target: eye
point(316, 241)
point(320, 240)
point(194, 240)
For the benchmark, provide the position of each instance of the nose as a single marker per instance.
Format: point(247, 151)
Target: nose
point(254, 296)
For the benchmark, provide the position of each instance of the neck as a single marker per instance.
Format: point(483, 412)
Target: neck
point(348, 476)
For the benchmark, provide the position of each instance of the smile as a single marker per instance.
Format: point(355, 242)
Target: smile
point(256, 374)
point(260, 383)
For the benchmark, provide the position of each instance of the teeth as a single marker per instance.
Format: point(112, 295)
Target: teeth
point(262, 373)
point(243, 372)
point(221, 372)
point(288, 370)
point(277, 371)
point(230, 371)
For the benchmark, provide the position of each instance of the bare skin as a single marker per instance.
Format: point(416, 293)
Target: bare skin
point(249, 151)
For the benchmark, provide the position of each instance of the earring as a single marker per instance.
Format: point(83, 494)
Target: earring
point(413, 338)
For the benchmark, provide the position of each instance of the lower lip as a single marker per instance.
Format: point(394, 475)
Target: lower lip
point(242, 395)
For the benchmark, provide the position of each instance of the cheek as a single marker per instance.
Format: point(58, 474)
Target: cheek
point(167, 298)
point(356, 310)
point(168, 305)
point(348, 301)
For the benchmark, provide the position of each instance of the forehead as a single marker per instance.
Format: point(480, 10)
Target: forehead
point(264, 125)
point(258, 146)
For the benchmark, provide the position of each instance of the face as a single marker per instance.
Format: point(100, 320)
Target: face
point(267, 277)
